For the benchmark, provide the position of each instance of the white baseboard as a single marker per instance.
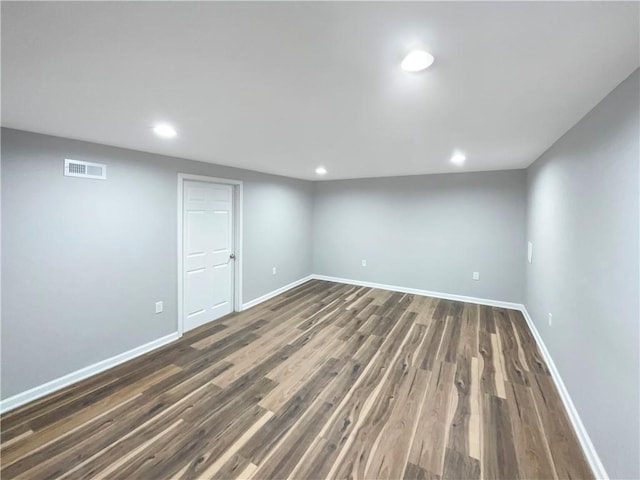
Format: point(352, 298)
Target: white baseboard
point(426, 293)
point(73, 377)
point(578, 426)
point(275, 293)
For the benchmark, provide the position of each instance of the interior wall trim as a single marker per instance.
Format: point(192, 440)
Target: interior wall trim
point(86, 372)
point(581, 432)
point(426, 293)
point(276, 292)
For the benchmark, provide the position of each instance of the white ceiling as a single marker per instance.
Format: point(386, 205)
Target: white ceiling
point(285, 87)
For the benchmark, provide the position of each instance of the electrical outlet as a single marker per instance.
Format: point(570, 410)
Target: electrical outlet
point(274, 270)
point(159, 307)
point(476, 275)
point(364, 263)
point(550, 319)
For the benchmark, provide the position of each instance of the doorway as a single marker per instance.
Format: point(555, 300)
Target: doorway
point(209, 238)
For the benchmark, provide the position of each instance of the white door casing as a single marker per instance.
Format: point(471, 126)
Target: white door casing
point(208, 247)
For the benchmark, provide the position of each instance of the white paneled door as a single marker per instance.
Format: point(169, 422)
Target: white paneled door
point(208, 254)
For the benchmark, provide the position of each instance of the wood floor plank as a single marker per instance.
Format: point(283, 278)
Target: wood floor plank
point(355, 406)
point(531, 351)
point(530, 444)
point(521, 352)
point(459, 430)
point(354, 367)
point(327, 380)
point(268, 436)
point(568, 457)
point(284, 458)
point(359, 444)
point(136, 425)
point(451, 340)
point(245, 360)
point(187, 455)
point(314, 346)
point(486, 319)
point(457, 465)
point(226, 336)
point(25, 444)
point(468, 345)
point(429, 444)
point(431, 346)
point(499, 455)
point(498, 365)
point(475, 410)
point(488, 372)
point(442, 309)
point(357, 321)
point(330, 398)
point(414, 472)
point(390, 423)
point(236, 467)
point(230, 453)
point(390, 455)
point(293, 374)
point(13, 420)
point(514, 369)
point(423, 307)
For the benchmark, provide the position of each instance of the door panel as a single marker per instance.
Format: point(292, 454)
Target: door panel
point(220, 275)
point(208, 244)
point(196, 223)
point(197, 285)
point(220, 236)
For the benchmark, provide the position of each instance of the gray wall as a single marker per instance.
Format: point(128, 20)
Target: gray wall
point(583, 221)
point(428, 232)
point(75, 289)
point(84, 261)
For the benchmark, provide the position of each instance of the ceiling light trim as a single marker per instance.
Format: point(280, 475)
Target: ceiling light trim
point(417, 60)
point(458, 158)
point(164, 130)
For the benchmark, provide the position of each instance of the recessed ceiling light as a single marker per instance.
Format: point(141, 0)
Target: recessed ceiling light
point(458, 158)
point(164, 130)
point(416, 60)
point(321, 170)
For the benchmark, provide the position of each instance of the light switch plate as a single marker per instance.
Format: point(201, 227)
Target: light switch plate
point(159, 307)
point(529, 251)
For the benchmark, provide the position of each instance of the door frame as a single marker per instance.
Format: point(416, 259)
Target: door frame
point(237, 238)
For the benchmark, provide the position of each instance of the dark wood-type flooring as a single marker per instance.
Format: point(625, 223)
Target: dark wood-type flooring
point(324, 381)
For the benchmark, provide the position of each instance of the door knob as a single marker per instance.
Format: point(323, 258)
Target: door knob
point(232, 256)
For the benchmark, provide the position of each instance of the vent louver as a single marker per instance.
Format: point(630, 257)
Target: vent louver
point(78, 168)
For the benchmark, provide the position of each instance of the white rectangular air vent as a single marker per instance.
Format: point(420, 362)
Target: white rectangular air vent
point(78, 168)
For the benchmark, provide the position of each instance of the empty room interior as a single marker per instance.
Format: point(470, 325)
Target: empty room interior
point(320, 240)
